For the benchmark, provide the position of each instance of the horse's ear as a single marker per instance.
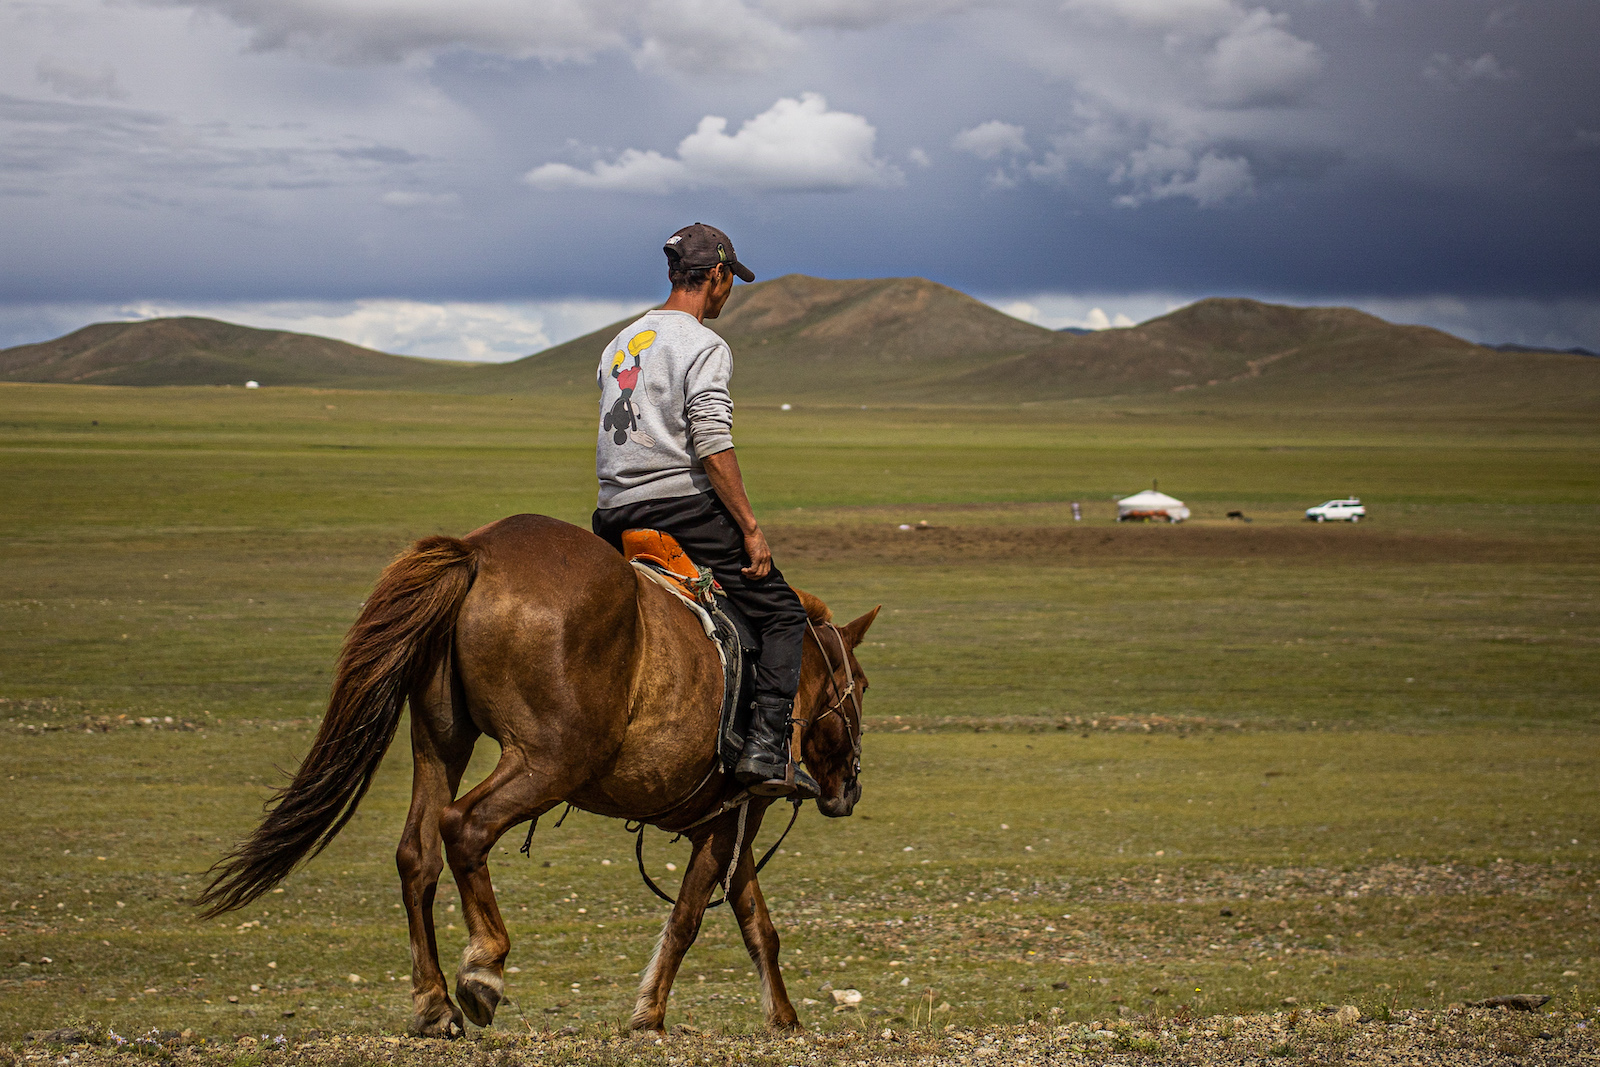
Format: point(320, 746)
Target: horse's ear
point(856, 630)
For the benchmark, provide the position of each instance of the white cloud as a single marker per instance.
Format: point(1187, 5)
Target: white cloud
point(1060, 311)
point(1451, 72)
point(992, 139)
point(1019, 309)
point(795, 146)
point(918, 157)
point(1258, 62)
point(632, 172)
point(1096, 319)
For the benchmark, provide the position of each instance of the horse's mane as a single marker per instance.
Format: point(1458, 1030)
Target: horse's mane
point(816, 610)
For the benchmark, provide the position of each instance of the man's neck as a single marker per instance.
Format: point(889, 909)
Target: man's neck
point(690, 303)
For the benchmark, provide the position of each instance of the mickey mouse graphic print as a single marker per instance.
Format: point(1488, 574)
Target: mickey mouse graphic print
point(624, 416)
point(664, 407)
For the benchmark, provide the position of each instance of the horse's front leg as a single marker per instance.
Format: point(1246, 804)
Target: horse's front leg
point(707, 864)
point(761, 941)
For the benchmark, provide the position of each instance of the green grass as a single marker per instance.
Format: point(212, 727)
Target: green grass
point(1370, 869)
point(199, 553)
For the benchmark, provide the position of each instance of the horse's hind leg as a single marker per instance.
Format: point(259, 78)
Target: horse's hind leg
point(441, 746)
point(513, 793)
point(761, 941)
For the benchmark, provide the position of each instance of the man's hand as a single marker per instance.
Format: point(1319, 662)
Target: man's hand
point(755, 546)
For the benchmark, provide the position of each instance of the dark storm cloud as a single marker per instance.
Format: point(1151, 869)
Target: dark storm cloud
point(1425, 150)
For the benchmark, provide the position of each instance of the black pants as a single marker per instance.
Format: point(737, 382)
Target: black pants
point(712, 539)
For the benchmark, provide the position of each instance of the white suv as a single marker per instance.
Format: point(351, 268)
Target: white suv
point(1348, 510)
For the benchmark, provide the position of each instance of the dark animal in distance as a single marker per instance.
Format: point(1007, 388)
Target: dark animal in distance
point(602, 691)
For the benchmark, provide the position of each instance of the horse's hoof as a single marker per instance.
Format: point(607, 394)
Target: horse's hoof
point(478, 993)
point(444, 1021)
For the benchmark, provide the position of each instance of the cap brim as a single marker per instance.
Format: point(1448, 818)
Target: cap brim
point(742, 272)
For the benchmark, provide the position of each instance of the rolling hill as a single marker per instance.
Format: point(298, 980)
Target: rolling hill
point(911, 340)
point(896, 340)
point(1270, 352)
point(801, 337)
point(197, 351)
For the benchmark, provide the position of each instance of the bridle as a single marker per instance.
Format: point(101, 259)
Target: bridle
point(849, 691)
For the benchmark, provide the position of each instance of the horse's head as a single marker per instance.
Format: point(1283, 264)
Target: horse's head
point(832, 686)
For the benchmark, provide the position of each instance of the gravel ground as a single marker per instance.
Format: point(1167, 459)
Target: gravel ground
point(1455, 1036)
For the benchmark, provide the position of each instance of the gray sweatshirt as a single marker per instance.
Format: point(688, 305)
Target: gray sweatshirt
point(664, 407)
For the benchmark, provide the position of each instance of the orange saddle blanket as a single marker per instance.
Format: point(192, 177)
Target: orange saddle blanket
point(669, 560)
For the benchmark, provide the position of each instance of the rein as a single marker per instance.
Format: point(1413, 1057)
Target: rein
point(738, 847)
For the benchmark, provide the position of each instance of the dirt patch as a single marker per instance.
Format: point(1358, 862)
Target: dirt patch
point(1320, 1033)
point(1310, 544)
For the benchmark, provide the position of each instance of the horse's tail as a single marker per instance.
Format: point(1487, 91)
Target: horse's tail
point(404, 629)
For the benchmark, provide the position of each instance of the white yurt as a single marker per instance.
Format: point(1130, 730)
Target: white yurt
point(1151, 504)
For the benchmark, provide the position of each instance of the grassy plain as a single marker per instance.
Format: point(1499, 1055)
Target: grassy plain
point(1375, 746)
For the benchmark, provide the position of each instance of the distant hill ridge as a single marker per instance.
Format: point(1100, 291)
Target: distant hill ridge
point(911, 340)
point(199, 351)
point(891, 340)
point(798, 336)
point(1226, 342)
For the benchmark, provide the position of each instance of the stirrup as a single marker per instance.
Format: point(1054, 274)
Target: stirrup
point(795, 784)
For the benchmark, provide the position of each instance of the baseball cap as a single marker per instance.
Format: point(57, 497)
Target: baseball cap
point(698, 246)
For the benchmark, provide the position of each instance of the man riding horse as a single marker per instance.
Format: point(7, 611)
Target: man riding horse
point(600, 689)
point(665, 461)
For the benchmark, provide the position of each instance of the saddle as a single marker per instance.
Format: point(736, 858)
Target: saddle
point(658, 556)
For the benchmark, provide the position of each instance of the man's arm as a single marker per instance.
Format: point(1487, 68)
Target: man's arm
point(723, 470)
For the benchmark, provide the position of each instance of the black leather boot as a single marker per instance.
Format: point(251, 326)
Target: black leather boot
point(763, 766)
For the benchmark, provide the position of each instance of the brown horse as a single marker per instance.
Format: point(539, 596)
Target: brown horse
point(602, 691)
